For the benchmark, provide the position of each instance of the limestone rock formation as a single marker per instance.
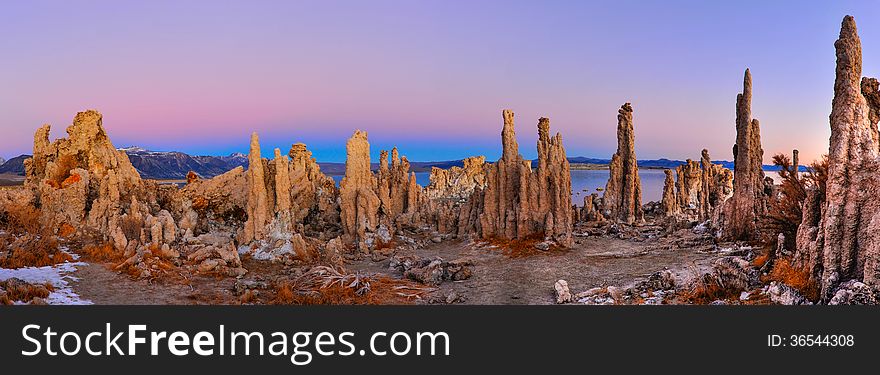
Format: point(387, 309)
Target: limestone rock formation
point(554, 185)
point(397, 190)
point(623, 193)
point(457, 182)
point(518, 203)
point(82, 180)
point(871, 91)
point(699, 190)
point(838, 237)
point(221, 200)
point(749, 201)
point(313, 194)
point(689, 184)
point(358, 202)
point(669, 202)
point(258, 214)
point(591, 211)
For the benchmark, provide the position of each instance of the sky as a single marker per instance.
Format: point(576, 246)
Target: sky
point(430, 77)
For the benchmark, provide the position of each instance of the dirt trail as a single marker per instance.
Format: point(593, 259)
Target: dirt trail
point(497, 279)
point(595, 261)
point(103, 286)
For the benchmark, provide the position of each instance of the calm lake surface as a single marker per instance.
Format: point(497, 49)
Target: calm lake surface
point(585, 182)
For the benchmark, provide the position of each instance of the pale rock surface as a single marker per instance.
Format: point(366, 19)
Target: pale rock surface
point(623, 192)
point(839, 237)
point(358, 202)
point(749, 201)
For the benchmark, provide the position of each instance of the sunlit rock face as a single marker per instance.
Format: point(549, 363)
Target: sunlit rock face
point(623, 193)
point(358, 202)
point(749, 200)
point(520, 203)
point(839, 238)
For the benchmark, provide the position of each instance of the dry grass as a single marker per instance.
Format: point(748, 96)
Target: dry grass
point(20, 219)
point(248, 297)
point(105, 253)
point(761, 259)
point(66, 230)
point(706, 290)
point(27, 241)
point(39, 253)
point(785, 271)
point(22, 291)
point(327, 286)
point(131, 226)
point(522, 248)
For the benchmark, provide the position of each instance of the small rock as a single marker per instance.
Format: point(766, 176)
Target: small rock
point(209, 265)
point(543, 246)
point(563, 294)
point(589, 293)
point(616, 294)
point(853, 293)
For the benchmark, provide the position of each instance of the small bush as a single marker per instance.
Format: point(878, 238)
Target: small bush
point(18, 290)
point(21, 219)
point(131, 227)
point(707, 289)
point(104, 252)
point(66, 230)
point(787, 272)
point(522, 248)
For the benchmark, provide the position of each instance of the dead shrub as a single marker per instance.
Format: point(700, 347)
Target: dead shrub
point(817, 174)
point(103, 252)
point(761, 259)
point(66, 230)
point(324, 285)
point(522, 248)
point(18, 290)
point(131, 226)
point(20, 219)
point(787, 272)
point(41, 252)
point(707, 289)
point(28, 242)
point(248, 297)
point(785, 214)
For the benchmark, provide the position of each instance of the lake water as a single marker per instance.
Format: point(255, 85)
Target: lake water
point(585, 182)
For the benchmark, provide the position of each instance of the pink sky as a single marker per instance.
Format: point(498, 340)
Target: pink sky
point(430, 77)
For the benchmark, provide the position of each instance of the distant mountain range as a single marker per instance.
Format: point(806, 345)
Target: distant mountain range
point(173, 165)
point(14, 165)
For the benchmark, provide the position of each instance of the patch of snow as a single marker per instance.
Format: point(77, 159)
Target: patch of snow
point(57, 275)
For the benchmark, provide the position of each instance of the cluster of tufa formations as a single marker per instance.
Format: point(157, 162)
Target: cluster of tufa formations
point(285, 209)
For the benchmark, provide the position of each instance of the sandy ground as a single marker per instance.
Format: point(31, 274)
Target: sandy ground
point(497, 279)
point(596, 261)
point(103, 286)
